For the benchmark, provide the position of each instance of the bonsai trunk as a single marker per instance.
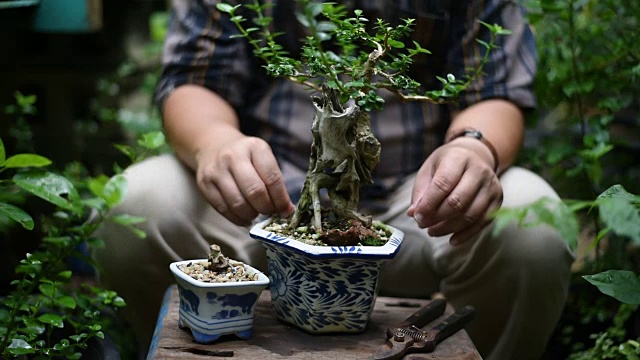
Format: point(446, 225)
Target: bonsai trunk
point(343, 154)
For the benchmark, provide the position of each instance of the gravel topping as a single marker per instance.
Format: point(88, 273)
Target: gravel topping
point(236, 272)
point(306, 235)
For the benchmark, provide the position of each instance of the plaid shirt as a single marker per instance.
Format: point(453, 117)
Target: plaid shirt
point(199, 50)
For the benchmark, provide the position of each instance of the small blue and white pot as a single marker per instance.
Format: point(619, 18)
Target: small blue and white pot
point(324, 289)
point(211, 309)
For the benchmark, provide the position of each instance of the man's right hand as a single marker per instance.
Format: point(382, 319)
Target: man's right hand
point(242, 180)
point(236, 173)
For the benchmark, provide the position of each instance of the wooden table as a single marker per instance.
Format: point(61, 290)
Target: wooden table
point(273, 339)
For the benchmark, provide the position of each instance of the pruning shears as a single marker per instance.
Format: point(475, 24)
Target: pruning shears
point(408, 337)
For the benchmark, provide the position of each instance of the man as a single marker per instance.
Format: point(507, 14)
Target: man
point(241, 146)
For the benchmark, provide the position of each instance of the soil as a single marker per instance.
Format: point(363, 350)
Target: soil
point(336, 233)
point(218, 269)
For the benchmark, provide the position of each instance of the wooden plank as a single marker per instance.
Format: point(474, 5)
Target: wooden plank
point(273, 339)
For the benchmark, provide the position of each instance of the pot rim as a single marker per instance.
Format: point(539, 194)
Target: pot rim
point(263, 280)
point(387, 251)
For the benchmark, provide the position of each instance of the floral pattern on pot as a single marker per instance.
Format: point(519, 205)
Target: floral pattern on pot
point(324, 289)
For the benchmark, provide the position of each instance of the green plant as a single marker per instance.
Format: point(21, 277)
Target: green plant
point(618, 212)
point(342, 157)
point(612, 343)
point(586, 143)
point(588, 85)
point(41, 301)
point(23, 108)
point(123, 103)
point(46, 315)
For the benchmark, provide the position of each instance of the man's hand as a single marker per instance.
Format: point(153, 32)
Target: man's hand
point(455, 190)
point(242, 180)
point(237, 174)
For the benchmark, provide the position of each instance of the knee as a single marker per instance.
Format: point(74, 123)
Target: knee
point(540, 248)
point(155, 189)
point(521, 187)
point(538, 253)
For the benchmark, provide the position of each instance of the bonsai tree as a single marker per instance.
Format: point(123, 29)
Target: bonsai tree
point(344, 150)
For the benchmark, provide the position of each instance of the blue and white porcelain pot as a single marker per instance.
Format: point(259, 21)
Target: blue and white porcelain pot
point(213, 309)
point(324, 289)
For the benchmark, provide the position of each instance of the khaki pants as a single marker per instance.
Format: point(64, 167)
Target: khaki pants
point(517, 281)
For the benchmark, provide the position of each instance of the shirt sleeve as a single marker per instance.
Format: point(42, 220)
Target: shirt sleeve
point(511, 67)
point(199, 49)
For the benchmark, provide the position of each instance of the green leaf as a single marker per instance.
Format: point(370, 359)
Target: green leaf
point(395, 44)
point(20, 347)
point(226, 8)
point(59, 241)
point(26, 160)
point(95, 243)
point(505, 216)
point(48, 290)
point(111, 190)
point(95, 203)
point(158, 24)
point(5, 316)
point(127, 150)
point(52, 319)
point(119, 302)
point(326, 26)
point(115, 190)
point(63, 344)
point(17, 214)
point(3, 154)
point(420, 49)
point(50, 187)
point(152, 140)
point(491, 28)
point(78, 337)
point(66, 274)
point(125, 219)
point(544, 211)
point(67, 302)
point(620, 214)
point(623, 285)
point(619, 191)
point(237, 18)
point(32, 327)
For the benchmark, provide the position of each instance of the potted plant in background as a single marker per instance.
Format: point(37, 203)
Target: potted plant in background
point(328, 282)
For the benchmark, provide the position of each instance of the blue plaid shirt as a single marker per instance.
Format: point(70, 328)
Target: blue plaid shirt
point(199, 49)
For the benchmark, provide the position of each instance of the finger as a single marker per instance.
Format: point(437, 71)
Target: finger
point(472, 222)
point(465, 235)
point(252, 188)
point(214, 196)
point(269, 171)
point(444, 180)
point(474, 214)
point(235, 200)
point(423, 178)
point(458, 201)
